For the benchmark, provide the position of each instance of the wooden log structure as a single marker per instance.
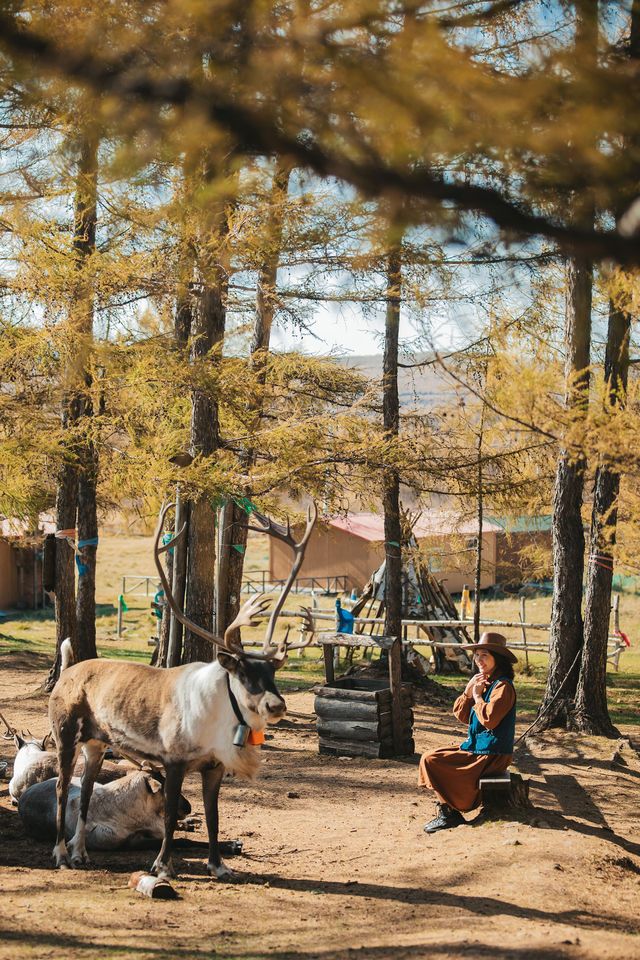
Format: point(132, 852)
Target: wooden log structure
point(357, 717)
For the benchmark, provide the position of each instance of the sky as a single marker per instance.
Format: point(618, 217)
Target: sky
point(346, 331)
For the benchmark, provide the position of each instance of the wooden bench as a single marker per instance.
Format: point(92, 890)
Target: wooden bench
point(504, 791)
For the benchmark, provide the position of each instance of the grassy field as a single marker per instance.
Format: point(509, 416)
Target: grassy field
point(125, 555)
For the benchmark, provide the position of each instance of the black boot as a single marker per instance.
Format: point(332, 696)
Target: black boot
point(447, 818)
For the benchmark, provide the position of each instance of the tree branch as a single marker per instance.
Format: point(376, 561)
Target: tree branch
point(258, 131)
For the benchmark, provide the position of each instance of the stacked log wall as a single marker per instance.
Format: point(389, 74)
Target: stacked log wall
point(354, 719)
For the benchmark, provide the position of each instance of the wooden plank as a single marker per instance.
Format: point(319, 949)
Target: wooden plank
point(340, 693)
point(327, 652)
point(353, 748)
point(353, 729)
point(363, 748)
point(353, 640)
point(346, 709)
point(371, 695)
point(395, 683)
point(358, 710)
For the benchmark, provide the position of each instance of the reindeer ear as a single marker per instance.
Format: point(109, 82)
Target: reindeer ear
point(278, 662)
point(227, 661)
point(152, 785)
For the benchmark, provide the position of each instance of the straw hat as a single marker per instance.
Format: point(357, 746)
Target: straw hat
point(494, 643)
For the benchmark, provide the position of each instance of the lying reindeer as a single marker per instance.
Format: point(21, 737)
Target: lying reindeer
point(35, 763)
point(127, 813)
point(190, 718)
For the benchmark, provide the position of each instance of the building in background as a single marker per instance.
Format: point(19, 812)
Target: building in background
point(21, 562)
point(353, 547)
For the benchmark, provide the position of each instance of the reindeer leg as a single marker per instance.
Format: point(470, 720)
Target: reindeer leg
point(93, 756)
point(67, 754)
point(211, 780)
point(162, 865)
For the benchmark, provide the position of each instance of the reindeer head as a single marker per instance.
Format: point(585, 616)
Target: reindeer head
point(256, 689)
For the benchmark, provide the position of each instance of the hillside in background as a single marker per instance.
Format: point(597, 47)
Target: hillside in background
point(418, 386)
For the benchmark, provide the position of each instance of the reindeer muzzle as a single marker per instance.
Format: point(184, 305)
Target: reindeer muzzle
point(273, 708)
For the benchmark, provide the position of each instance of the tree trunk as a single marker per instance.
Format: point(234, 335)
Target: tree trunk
point(565, 637)
point(591, 714)
point(233, 543)
point(391, 422)
point(583, 683)
point(480, 517)
point(77, 620)
point(207, 329)
point(169, 652)
point(208, 332)
point(160, 659)
point(65, 583)
point(87, 543)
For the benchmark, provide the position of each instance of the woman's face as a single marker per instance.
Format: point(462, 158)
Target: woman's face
point(485, 661)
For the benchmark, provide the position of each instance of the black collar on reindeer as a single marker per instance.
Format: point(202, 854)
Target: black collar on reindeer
point(244, 734)
point(234, 702)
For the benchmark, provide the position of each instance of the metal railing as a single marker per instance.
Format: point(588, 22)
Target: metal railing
point(260, 582)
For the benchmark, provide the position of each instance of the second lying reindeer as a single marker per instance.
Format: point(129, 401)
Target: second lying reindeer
point(189, 718)
point(126, 813)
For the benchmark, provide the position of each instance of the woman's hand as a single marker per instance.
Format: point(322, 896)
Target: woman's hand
point(476, 686)
point(468, 690)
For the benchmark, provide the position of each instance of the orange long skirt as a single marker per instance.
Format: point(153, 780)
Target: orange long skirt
point(454, 774)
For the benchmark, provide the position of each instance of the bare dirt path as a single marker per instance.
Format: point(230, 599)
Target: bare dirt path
point(336, 864)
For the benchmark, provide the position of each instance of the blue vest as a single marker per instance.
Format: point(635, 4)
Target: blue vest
point(498, 740)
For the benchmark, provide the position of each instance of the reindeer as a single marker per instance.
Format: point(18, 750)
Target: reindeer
point(35, 762)
point(196, 717)
point(126, 813)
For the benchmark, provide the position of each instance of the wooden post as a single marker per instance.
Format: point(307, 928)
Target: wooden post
point(523, 620)
point(616, 630)
point(395, 684)
point(119, 626)
point(327, 651)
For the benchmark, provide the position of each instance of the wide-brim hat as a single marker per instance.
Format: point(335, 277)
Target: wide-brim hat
point(494, 643)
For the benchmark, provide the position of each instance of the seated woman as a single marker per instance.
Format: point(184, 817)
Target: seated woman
point(488, 705)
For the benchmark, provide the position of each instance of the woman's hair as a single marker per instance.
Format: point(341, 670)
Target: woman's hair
point(504, 666)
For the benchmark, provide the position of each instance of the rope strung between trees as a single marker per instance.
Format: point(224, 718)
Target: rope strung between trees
point(551, 702)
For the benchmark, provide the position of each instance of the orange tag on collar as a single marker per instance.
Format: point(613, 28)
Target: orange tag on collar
point(256, 737)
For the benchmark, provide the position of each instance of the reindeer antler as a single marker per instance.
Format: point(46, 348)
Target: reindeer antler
point(280, 532)
point(252, 610)
point(255, 607)
point(308, 626)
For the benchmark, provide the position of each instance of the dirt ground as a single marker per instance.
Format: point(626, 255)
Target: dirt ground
point(336, 864)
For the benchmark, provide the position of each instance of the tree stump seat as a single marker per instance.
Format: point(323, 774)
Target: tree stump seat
point(504, 791)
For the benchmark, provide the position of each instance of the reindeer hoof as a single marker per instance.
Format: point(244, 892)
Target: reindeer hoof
point(163, 871)
point(61, 858)
point(221, 872)
point(79, 858)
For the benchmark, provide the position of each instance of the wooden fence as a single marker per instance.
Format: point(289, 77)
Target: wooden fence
point(615, 645)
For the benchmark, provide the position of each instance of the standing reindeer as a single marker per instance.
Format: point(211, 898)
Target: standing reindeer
point(190, 718)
